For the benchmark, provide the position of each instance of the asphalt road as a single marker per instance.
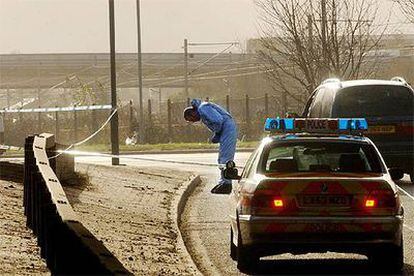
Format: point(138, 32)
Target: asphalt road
point(206, 227)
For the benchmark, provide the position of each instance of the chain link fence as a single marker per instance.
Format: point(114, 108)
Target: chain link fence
point(161, 125)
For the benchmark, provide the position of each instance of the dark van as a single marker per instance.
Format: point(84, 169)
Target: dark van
point(387, 106)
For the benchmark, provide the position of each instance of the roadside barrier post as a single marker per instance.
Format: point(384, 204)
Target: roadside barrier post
point(149, 113)
point(169, 121)
point(266, 99)
point(247, 117)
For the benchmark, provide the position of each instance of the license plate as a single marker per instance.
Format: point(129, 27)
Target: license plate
point(381, 129)
point(324, 228)
point(325, 200)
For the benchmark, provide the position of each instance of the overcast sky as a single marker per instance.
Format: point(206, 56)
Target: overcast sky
point(58, 26)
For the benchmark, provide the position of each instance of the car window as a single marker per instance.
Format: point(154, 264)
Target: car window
point(321, 157)
point(374, 101)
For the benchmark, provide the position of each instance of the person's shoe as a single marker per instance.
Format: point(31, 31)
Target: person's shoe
point(224, 189)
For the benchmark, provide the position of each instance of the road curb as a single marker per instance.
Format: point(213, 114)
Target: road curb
point(177, 209)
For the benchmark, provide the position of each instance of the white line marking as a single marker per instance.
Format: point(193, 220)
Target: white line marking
point(405, 192)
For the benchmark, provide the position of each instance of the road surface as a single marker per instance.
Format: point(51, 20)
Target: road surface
point(206, 227)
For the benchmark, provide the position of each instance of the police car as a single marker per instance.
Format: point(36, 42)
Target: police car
point(316, 185)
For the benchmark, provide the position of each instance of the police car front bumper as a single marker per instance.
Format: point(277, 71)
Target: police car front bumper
point(324, 233)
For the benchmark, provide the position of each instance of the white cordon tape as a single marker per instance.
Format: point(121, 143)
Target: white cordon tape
point(87, 138)
point(58, 109)
point(5, 147)
point(85, 153)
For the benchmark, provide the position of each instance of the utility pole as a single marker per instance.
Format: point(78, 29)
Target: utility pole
point(141, 104)
point(186, 67)
point(114, 120)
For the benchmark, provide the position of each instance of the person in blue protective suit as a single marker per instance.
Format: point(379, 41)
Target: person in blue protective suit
point(224, 129)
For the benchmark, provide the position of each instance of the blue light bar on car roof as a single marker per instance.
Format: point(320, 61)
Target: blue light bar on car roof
point(352, 124)
point(290, 125)
point(277, 124)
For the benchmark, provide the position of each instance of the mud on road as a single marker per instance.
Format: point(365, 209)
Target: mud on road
point(129, 209)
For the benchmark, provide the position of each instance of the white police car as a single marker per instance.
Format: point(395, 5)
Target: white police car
point(316, 185)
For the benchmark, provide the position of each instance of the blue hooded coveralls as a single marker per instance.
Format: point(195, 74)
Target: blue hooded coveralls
point(220, 122)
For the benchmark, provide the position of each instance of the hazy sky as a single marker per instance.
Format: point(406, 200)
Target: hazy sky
point(46, 26)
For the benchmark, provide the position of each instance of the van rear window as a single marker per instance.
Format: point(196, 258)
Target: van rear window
point(373, 101)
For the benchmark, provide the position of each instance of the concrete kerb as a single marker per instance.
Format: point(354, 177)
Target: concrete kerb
point(177, 209)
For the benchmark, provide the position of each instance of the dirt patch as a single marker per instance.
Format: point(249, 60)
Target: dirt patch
point(19, 254)
point(128, 208)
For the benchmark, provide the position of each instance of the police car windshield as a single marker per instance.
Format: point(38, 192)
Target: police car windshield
point(320, 157)
point(373, 101)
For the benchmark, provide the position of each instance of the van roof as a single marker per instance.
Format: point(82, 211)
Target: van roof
point(351, 83)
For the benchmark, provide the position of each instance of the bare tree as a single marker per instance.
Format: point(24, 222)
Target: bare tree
point(407, 7)
point(302, 42)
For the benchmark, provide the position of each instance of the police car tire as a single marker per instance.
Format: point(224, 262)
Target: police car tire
point(233, 247)
point(390, 258)
point(247, 260)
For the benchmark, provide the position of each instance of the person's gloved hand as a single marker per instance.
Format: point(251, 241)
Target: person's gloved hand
point(215, 138)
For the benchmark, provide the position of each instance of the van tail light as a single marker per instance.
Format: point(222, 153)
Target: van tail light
point(381, 199)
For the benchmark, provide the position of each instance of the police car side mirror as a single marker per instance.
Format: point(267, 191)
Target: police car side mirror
point(396, 173)
point(231, 172)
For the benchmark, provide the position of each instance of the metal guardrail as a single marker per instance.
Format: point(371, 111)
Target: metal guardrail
point(67, 246)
